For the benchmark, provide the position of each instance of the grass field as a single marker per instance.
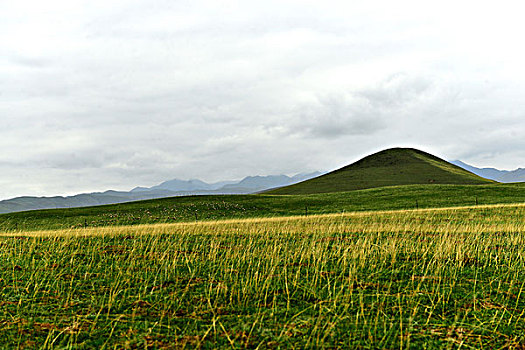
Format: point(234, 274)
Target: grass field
point(198, 208)
point(434, 278)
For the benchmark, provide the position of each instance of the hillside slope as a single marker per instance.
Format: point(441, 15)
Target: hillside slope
point(391, 167)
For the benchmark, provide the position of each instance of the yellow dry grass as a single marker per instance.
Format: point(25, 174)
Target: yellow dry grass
point(466, 219)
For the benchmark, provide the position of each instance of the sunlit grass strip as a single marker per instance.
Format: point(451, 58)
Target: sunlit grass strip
point(435, 219)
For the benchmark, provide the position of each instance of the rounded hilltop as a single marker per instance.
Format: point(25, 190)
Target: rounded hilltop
point(390, 167)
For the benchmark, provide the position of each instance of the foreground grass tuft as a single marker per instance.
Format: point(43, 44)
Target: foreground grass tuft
point(442, 278)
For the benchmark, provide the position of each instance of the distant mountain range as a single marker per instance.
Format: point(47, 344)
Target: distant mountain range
point(390, 167)
point(505, 176)
point(171, 188)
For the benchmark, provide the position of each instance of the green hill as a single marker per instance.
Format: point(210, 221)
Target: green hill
point(391, 167)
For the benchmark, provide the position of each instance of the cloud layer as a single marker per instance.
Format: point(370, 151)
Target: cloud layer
point(114, 94)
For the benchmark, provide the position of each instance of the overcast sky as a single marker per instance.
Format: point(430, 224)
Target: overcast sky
point(114, 94)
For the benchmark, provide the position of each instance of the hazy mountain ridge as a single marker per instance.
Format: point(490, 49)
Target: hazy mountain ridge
point(176, 187)
point(188, 185)
point(171, 188)
point(505, 176)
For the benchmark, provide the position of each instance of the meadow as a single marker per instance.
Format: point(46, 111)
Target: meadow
point(220, 207)
point(425, 278)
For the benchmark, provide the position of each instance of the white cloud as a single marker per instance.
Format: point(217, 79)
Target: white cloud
point(114, 94)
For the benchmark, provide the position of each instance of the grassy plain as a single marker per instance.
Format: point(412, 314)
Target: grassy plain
point(181, 209)
point(434, 278)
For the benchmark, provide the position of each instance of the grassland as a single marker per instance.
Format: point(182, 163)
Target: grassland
point(391, 167)
point(184, 209)
point(432, 278)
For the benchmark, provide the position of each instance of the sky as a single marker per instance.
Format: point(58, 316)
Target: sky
point(113, 94)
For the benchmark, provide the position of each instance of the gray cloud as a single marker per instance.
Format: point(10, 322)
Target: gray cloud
point(336, 116)
point(114, 94)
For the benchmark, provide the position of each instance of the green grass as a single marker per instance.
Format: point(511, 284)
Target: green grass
point(180, 209)
point(444, 278)
point(392, 167)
